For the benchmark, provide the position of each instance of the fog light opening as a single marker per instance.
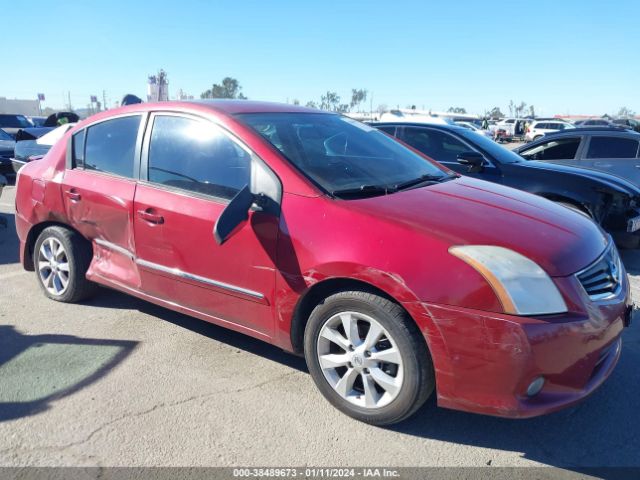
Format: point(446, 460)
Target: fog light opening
point(534, 387)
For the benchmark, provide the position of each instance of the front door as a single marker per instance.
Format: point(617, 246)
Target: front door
point(191, 169)
point(445, 148)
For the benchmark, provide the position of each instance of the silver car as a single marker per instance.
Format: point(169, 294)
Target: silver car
point(611, 150)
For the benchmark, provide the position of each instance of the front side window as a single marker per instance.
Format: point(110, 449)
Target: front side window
point(111, 145)
point(560, 149)
point(339, 153)
point(197, 156)
point(612, 147)
point(438, 145)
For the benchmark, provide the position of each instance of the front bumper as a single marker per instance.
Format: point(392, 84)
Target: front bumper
point(485, 361)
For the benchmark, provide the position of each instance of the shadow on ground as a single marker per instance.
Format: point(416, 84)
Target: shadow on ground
point(37, 369)
point(113, 299)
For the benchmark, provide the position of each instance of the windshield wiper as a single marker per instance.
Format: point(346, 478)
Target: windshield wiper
point(423, 179)
point(363, 191)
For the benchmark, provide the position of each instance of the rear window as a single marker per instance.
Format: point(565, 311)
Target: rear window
point(110, 146)
point(612, 147)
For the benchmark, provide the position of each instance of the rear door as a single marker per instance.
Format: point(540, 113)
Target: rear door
point(564, 151)
point(191, 169)
point(98, 189)
point(614, 154)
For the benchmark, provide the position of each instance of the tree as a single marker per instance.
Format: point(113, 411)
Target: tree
point(230, 88)
point(457, 110)
point(311, 104)
point(512, 107)
point(626, 112)
point(382, 108)
point(532, 111)
point(296, 101)
point(330, 101)
point(495, 112)
point(520, 109)
point(357, 97)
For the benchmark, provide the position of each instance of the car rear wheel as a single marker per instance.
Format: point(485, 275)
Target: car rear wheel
point(368, 358)
point(62, 258)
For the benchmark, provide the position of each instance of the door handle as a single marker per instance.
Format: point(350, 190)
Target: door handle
point(73, 195)
point(147, 216)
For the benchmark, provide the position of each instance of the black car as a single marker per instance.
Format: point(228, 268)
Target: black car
point(628, 123)
point(609, 200)
point(7, 146)
point(11, 123)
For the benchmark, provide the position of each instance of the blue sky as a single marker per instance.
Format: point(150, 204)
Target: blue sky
point(561, 56)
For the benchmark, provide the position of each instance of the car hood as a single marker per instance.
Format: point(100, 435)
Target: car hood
point(605, 179)
point(467, 211)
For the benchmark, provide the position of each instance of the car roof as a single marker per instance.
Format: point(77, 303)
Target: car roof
point(250, 106)
point(440, 126)
point(583, 130)
point(225, 107)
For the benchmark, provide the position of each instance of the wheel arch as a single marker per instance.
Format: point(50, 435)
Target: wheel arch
point(555, 197)
point(319, 291)
point(32, 237)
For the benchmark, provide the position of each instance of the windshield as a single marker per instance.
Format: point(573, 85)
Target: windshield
point(339, 153)
point(14, 121)
point(498, 152)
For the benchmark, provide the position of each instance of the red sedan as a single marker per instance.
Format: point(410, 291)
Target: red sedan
point(394, 276)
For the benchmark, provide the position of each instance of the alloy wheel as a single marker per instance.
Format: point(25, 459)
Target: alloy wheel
point(53, 266)
point(360, 360)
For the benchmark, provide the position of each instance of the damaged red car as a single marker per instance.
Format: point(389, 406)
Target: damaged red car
point(395, 277)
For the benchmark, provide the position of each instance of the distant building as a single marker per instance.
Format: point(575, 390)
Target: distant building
point(22, 107)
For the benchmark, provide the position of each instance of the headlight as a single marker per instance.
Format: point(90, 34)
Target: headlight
point(521, 285)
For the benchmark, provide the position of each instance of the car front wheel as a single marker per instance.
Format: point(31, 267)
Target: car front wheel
point(368, 358)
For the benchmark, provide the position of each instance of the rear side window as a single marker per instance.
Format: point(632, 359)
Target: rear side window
point(612, 147)
point(561, 149)
point(78, 148)
point(111, 145)
point(197, 156)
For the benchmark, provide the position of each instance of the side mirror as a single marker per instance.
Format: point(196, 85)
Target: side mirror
point(474, 160)
point(232, 217)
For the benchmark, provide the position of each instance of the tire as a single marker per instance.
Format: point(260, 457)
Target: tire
point(61, 254)
point(537, 137)
point(375, 392)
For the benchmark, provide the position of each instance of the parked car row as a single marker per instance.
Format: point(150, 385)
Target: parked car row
point(396, 276)
point(610, 200)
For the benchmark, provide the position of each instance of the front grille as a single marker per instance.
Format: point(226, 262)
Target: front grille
point(603, 279)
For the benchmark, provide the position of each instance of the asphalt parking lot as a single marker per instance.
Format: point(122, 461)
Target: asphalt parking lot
point(120, 382)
